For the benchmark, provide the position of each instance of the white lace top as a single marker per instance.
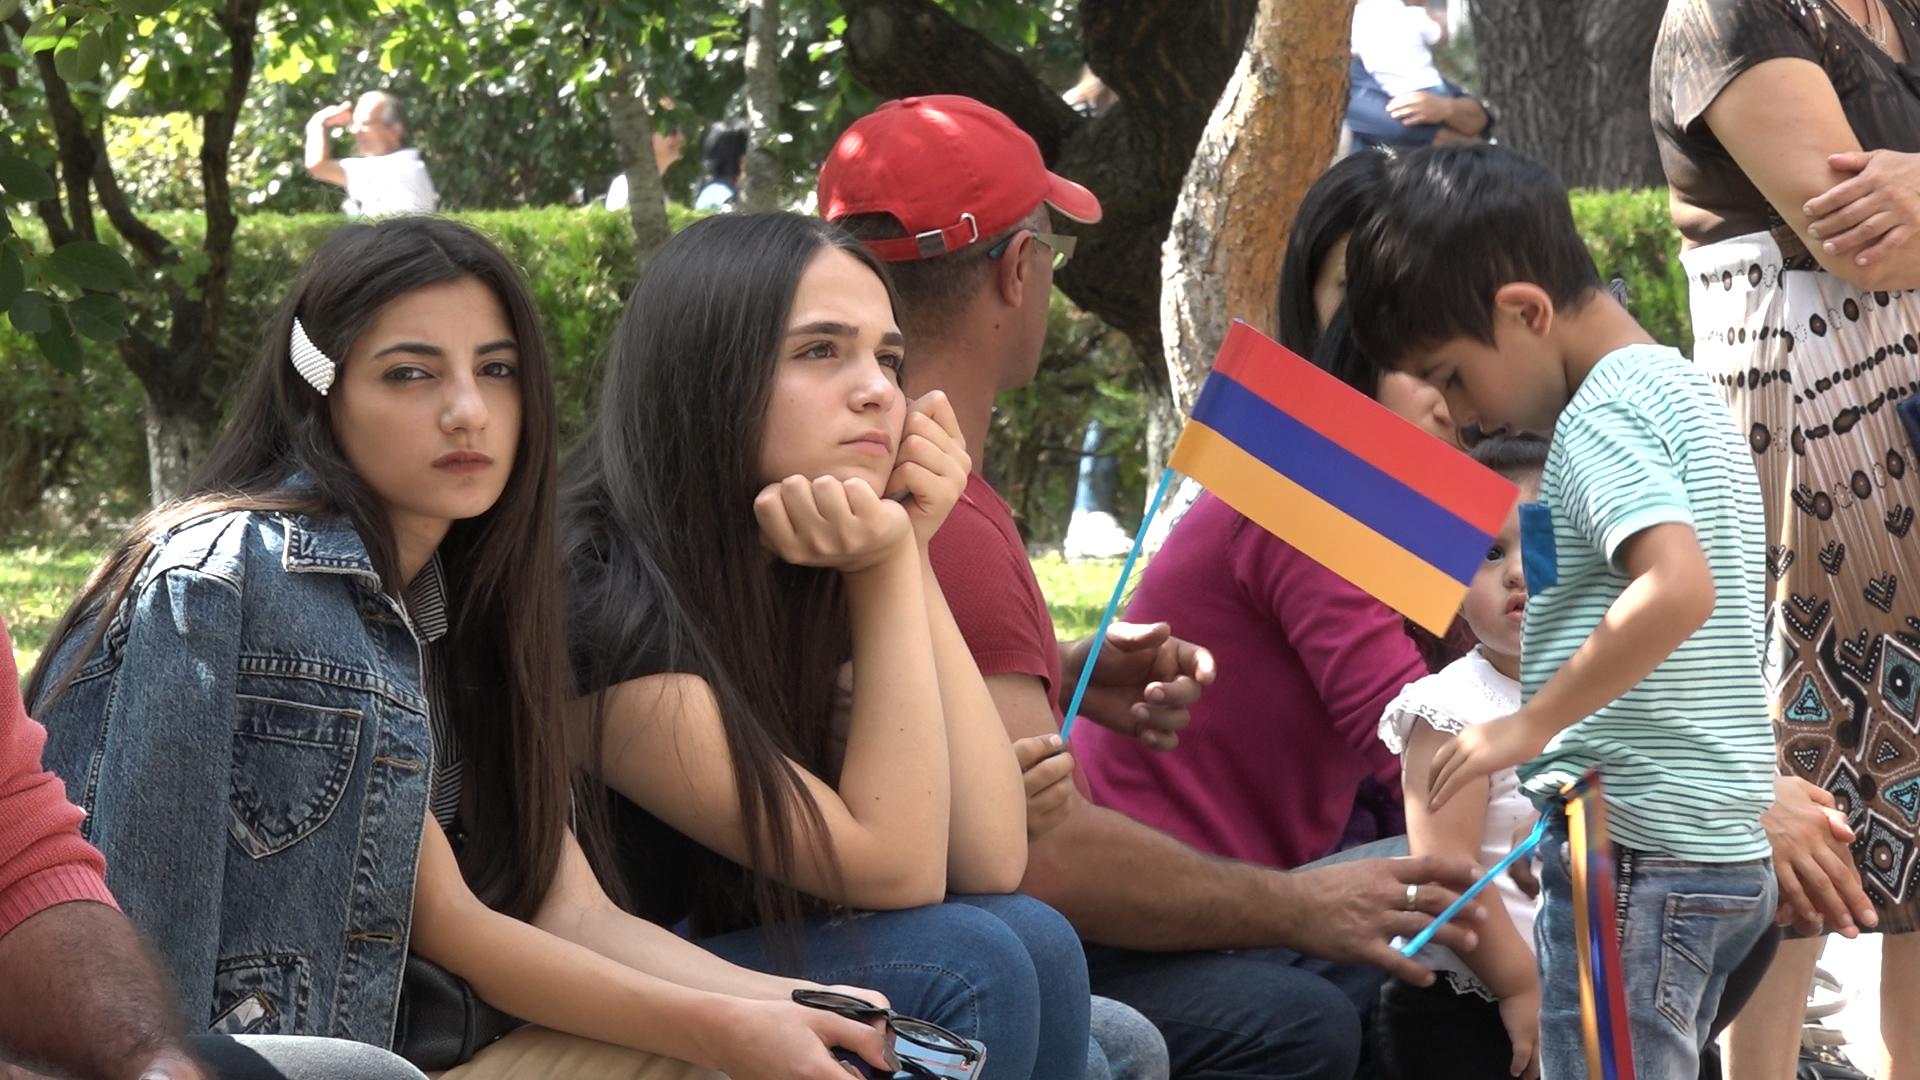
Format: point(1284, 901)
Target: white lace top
point(1469, 691)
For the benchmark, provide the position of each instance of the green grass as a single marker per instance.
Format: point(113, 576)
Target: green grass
point(37, 582)
point(1076, 592)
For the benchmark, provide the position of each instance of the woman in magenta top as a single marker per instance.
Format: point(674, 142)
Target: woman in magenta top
point(1280, 745)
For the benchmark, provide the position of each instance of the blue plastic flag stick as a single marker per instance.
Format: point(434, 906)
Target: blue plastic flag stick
point(1520, 850)
point(1113, 602)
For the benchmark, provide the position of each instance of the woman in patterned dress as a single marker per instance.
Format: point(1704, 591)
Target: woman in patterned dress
point(1790, 135)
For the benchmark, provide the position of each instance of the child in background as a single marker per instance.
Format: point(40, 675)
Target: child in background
point(1394, 40)
point(1646, 578)
point(1482, 1015)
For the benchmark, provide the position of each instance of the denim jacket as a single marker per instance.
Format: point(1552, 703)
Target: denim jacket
point(251, 744)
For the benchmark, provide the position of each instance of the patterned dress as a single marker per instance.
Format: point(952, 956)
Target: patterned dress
point(1817, 372)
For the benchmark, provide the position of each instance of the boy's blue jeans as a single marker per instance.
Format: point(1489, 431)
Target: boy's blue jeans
point(1686, 926)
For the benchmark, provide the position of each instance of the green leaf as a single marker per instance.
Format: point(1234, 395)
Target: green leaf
point(44, 33)
point(92, 265)
point(8, 7)
point(58, 344)
point(31, 312)
point(99, 316)
point(143, 8)
point(13, 276)
point(78, 59)
point(25, 180)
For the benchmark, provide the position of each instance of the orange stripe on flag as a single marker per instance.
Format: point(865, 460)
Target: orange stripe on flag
point(1319, 530)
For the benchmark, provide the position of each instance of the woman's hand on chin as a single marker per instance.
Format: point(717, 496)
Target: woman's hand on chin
point(932, 467)
point(838, 524)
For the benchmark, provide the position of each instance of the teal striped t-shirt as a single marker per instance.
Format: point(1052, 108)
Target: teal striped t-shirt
point(1686, 756)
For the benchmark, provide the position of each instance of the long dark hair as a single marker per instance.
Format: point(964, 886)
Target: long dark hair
point(659, 532)
point(1335, 204)
point(503, 653)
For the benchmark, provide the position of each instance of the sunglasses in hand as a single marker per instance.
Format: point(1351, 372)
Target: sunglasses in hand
point(925, 1050)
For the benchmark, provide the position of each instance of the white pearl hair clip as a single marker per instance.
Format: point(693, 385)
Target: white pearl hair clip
point(312, 364)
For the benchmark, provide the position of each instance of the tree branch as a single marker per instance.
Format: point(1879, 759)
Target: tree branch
point(1168, 59)
point(144, 239)
point(66, 121)
point(240, 21)
point(898, 48)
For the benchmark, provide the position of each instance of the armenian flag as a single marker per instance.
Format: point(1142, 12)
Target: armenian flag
point(1605, 1029)
point(1343, 479)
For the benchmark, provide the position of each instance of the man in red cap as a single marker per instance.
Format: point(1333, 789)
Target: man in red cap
point(960, 204)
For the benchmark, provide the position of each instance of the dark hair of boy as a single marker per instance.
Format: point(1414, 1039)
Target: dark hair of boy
point(1333, 207)
point(1518, 456)
point(502, 567)
point(1338, 355)
point(1452, 226)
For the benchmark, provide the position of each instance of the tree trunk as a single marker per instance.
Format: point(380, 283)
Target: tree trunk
point(179, 433)
point(760, 186)
point(1271, 134)
point(630, 115)
point(1569, 84)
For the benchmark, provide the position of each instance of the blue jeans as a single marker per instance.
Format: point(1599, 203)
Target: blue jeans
point(1238, 1014)
point(1685, 927)
point(1126, 1045)
point(1006, 970)
point(295, 1057)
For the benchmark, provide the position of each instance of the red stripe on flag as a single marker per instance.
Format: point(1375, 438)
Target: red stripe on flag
point(1369, 430)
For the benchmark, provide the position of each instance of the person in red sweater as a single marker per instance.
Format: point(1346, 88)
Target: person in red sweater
point(78, 992)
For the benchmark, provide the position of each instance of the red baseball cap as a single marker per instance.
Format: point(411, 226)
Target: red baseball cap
point(953, 171)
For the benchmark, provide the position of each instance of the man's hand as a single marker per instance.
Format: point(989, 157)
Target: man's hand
point(1047, 769)
point(1143, 682)
point(1351, 911)
point(334, 116)
point(1482, 750)
point(1421, 107)
point(1819, 886)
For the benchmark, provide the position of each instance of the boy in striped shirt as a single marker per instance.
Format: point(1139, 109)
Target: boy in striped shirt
point(1645, 562)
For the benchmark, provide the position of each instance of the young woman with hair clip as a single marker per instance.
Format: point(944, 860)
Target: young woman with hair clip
point(776, 688)
point(314, 707)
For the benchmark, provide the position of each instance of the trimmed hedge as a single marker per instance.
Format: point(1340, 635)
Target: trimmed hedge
point(88, 432)
point(1631, 235)
point(72, 449)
